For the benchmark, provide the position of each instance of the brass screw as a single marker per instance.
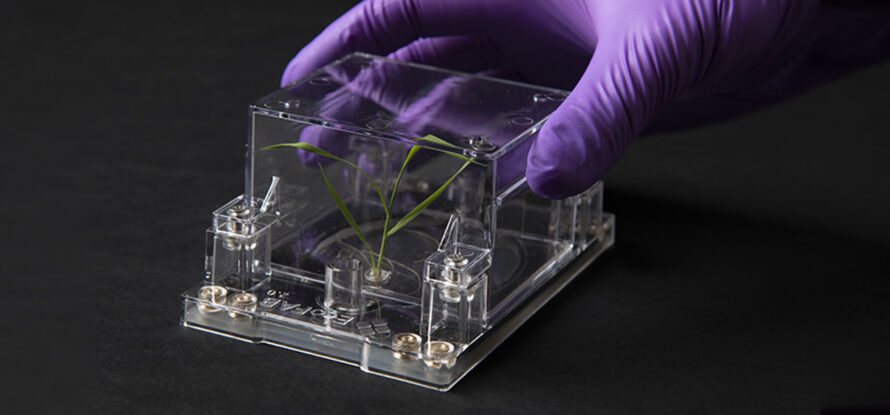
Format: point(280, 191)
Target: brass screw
point(405, 344)
point(242, 301)
point(214, 294)
point(438, 352)
point(456, 260)
point(235, 225)
point(237, 212)
point(453, 263)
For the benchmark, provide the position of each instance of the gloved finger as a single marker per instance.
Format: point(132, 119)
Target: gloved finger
point(460, 53)
point(381, 94)
point(412, 103)
point(383, 26)
point(586, 135)
point(395, 87)
point(408, 102)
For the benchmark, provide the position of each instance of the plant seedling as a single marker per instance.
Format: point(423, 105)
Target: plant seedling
point(387, 207)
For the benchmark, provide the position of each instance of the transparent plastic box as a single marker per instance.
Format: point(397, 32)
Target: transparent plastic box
point(386, 222)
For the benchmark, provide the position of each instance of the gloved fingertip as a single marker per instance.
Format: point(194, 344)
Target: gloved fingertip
point(554, 170)
point(552, 182)
point(290, 73)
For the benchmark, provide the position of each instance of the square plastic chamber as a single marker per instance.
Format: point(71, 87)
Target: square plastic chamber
point(386, 221)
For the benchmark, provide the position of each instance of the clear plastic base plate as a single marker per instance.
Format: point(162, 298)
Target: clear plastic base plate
point(386, 222)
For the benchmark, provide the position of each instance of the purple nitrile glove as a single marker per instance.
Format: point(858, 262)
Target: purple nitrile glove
point(628, 61)
point(442, 104)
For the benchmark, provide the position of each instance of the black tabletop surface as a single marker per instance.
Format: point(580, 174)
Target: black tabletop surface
point(750, 273)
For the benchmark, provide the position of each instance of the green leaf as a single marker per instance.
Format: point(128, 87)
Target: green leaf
point(433, 139)
point(344, 210)
point(426, 203)
point(395, 187)
point(460, 156)
point(436, 140)
point(305, 147)
point(313, 149)
point(392, 198)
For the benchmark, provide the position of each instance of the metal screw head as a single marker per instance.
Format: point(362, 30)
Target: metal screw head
point(407, 340)
point(235, 224)
point(453, 263)
point(437, 353)
point(239, 211)
point(242, 301)
point(405, 344)
point(480, 143)
point(456, 260)
point(213, 294)
point(439, 349)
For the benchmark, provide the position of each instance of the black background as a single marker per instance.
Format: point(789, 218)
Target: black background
point(750, 273)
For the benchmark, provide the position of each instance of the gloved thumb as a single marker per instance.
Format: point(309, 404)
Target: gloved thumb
point(611, 104)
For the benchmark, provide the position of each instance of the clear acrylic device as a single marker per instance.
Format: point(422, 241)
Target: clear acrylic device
point(386, 222)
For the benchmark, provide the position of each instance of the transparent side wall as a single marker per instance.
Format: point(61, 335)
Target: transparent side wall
point(535, 238)
point(386, 221)
point(466, 243)
point(338, 204)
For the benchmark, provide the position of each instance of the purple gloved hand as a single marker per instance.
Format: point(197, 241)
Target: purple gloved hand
point(628, 61)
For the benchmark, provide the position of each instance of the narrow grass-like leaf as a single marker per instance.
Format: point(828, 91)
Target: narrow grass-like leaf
point(305, 147)
point(426, 203)
point(395, 187)
point(392, 198)
point(456, 155)
point(343, 209)
point(436, 140)
point(313, 149)
point(386, 207)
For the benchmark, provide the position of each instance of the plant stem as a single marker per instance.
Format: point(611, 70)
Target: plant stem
point(392, 198)
point(376, 270)
point(387, 208)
